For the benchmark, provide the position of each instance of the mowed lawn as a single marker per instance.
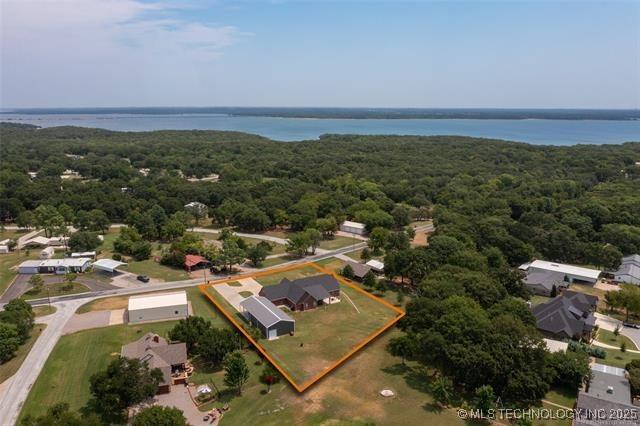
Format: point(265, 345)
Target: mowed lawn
point(323, 335)
point(55, 289)
point(338, 242)
point(65, 376)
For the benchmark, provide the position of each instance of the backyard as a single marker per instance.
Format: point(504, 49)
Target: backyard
point(324, 335)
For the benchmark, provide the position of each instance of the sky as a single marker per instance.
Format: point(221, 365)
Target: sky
point(455, 54)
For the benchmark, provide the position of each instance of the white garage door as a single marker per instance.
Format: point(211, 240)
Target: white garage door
point(273, 333)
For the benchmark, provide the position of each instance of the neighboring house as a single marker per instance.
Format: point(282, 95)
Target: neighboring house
point(359, 269)
point(47, 253)
point(38, 241)
point(54, 266)
point(606, 399)
point(572, 273)
point(353, 227)
point(194, 261)
point(568, 316)
point(304, 293)
point(156, 352)
point(629, 270)
point(376, 266)
point(158, 307)
point(542, 282)
point(267, 317)
point(4, 249)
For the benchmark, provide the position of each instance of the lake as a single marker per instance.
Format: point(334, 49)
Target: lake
point(534, 131)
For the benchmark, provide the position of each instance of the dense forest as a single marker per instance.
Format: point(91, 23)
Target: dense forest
point(576, 204)
point(495, 204)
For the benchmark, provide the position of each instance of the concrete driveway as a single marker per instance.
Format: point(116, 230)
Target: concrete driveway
point(95, 319)
point(231, 293)
point(608, 323)
point(21, 285)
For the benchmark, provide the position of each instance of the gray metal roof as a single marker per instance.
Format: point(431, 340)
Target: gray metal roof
point(264, 311)
point(630, 266)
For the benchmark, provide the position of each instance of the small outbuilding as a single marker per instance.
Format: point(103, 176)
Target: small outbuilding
point(359, 269)
point(376, 266)
point(353, 227)
point(158, 307)
point(47, 253)
point(267, 317)
point(107, 265)
point(194, 261)
point(91, 254)
point(4, 249)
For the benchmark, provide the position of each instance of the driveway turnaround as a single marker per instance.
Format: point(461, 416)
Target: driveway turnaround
point(232, 293)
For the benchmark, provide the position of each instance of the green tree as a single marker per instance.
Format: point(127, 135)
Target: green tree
point(60, 415)
point(48, 218)
point(236, 371)
point(402, 346)
point(25, 220)
point(365, 255)
point(314, 237)
point(369, 280)
point(298, 244)
point(442, 390)
point(160, 416)
point(269, 376)
point(214, 344)
point(9, 341)
point(84, 241)
point(347, 272)
point(124, 383)
point(190, 330)
point(19, 313)
point(377, 240)
point(66, 211)
point(258, 253)
point(328, 226)
point(484, 399)
point(36, 282)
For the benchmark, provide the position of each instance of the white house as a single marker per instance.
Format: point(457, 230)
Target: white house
point(572, 273)
point(54, 266)
point(158, 307)
point(629, 270)
point(353, 227)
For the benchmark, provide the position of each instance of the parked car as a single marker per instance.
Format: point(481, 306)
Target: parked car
point(143, 278)
point(630, 324)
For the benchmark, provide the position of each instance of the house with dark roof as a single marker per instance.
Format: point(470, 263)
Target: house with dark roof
point(359, 269)
point(304, 293)
point(156, 352)
point(568, 316)
point(541, 282)
point(629, 270)
point(607, 393)
point(267, 317)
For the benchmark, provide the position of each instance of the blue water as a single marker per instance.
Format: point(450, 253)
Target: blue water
point(535, 131)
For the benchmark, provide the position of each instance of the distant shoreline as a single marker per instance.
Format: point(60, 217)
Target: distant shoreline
point(353, 113)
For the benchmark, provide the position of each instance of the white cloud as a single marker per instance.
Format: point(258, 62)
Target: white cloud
point(76, 46)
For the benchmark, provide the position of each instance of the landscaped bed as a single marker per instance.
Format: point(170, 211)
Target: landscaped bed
point(324, 336)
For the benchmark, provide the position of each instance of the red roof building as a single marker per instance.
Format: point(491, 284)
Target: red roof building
point(194, 261)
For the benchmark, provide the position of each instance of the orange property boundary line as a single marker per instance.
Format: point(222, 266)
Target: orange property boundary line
point(301, 388)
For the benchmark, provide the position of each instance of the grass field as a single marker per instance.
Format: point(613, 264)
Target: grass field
point(65, 376)
point(9, 368)
point(56, 289)
point(45, 310)
point(606, 336)
point(323, 335)
point(617, 358)
point(338, 242)
point(155, 270)
point(347, 396)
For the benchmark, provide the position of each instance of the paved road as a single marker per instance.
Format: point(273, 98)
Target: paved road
point(271, 238)
point(608, 323)
point(21, 284)
point(12, 397)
